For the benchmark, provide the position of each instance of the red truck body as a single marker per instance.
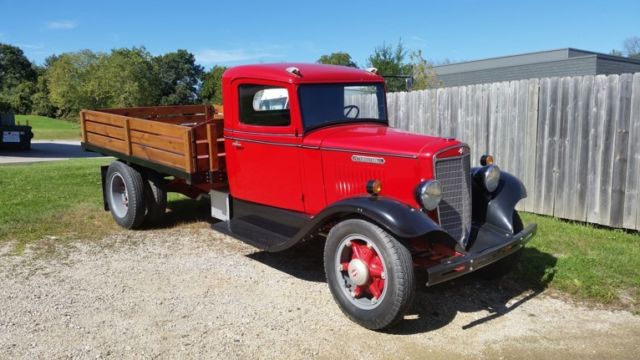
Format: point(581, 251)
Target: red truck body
point(305, 151)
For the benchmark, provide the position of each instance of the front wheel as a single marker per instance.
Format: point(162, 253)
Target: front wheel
point(370, 274)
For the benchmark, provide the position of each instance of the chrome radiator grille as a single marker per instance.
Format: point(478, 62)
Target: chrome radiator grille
point(454, 210)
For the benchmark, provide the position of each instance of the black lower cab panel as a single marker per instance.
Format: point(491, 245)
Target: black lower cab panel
point(264, 227)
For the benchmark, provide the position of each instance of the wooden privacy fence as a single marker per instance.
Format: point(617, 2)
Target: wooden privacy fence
point(574, 141)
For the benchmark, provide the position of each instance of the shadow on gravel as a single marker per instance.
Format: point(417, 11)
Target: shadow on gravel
point(303, 261)
point(185, 211)
point(437, 306)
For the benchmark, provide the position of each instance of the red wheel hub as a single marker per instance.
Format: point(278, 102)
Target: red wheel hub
point(365, 269)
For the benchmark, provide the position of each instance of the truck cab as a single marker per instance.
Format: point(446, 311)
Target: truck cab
point(308, 155)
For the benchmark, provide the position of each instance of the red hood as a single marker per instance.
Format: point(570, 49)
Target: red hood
point(373, 138)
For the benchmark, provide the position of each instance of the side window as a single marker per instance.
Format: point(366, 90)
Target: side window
point(264, 105)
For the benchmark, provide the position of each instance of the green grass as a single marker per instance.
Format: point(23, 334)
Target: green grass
point(586, 261)
point(45, 128)
point(63, 199)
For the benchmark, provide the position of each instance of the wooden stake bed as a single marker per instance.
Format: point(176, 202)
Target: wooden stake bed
point(185, 141)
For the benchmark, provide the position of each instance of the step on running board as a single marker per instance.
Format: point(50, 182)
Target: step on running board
point(251, 234)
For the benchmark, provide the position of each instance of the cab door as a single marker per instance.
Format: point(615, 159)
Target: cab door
point(262, 145)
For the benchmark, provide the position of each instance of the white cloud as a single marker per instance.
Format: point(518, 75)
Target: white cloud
point(222, 56)
point(417, 39)
point(61, 25)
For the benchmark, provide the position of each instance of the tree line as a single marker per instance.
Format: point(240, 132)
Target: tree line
point(72, 81)
point(126, 77)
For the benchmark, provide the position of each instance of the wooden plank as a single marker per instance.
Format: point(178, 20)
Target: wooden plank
point(189, 154)
point(561, 167)
point(104, 118)
point(583, 148)
point(173, 145)
point(158, 156)
point(552, 129)
point(107, 142)
point(621, 123)
point(127, 136)
point(570, 190)
point(632, 186)
point(597, 121)
point(608, 122)
point(106, 130)
point(213, 149)
point(83, 134)
point(155, 111)
point(158, 128)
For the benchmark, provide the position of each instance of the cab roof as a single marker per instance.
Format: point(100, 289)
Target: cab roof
point(309, 73)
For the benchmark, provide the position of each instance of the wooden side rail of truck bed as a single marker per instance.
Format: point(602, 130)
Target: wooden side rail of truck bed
point(184, 141)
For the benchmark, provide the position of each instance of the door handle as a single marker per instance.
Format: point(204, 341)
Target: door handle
point(237, 144)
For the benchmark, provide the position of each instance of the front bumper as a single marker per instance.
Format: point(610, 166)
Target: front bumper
point(461, 265)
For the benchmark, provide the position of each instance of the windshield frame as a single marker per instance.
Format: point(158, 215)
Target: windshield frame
point(382, 120)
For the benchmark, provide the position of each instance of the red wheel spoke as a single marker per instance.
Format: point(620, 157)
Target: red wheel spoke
point(357, 291)
point(375, 289)
point(356, 250)
point(375, 270)
point(367, 253)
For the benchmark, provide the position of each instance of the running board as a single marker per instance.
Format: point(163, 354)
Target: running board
point(251, 234)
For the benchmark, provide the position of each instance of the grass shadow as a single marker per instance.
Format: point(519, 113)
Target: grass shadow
point(437, 306)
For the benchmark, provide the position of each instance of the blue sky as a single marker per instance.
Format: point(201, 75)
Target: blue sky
point(239, 32)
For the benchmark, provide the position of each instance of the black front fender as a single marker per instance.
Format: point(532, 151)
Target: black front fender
point(397, 218)
point(497, 208)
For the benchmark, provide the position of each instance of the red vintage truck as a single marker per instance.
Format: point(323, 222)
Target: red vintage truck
point(304, 152)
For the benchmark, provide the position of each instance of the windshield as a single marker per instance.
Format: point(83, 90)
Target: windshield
point(327, 104)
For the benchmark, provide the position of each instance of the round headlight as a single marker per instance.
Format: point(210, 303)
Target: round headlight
point(429, 194)
point(491, 177)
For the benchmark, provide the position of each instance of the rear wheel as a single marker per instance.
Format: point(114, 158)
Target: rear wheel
point(124, 190)
point(370, 274)
point(505, 265)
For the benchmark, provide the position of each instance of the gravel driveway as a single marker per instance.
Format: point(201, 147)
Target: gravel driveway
point(193, 293)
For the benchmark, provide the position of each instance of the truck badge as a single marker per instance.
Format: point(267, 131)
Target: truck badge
point(367, 159)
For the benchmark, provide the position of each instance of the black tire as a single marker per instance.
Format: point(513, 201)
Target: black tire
point(126, 204)
point(399, 281)
point(506, 265)
point(155, 196)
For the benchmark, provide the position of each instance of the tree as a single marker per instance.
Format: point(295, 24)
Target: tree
point(337, 58)
point(17, 77)
point(15, 68)
point(390, 62)
point(179, 77)
point(211, 90)
point(124, 78)
point(19, 98)
point(40, 102)
point(67, 77)
point(424, 77)
point(632, 47)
